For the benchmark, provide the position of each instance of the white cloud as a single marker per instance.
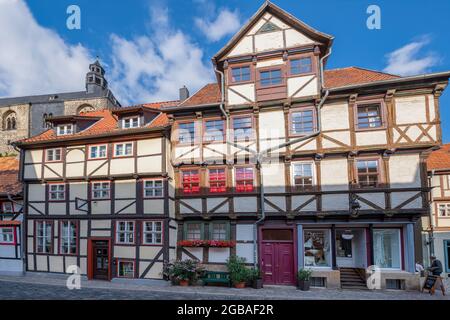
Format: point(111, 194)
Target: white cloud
point(36, 60)
point(407, 60)
point(154, 66)
point(227, 22)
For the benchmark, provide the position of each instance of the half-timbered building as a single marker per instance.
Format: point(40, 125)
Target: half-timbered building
point(291, 165)
point(11, 260)
point(96, 188)
point(436, 226)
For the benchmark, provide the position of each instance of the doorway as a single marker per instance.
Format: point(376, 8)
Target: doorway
point(351, 248)
point(277, 256)
point(99, 259)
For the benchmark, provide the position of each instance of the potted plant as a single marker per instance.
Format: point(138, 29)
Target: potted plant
point(303, 279)
point(256, 278)
point(239, 273)
point(183, 272)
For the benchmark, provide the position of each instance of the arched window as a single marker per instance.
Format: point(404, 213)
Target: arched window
point(10, 121)
point(85, 108)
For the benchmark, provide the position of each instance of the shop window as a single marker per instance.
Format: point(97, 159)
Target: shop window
point(386, 247)
point(125, 269)
point(317, 248)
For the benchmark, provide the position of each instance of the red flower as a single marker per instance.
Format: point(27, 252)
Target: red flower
point(207, 243)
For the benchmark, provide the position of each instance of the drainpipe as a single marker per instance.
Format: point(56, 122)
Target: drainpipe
point(222, 109)
point(431, 232)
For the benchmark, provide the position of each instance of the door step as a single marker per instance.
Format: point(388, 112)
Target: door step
point(352, 279)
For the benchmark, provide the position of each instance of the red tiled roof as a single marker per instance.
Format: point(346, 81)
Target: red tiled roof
point(334, 78)
point(9, 175)
point(439, 159)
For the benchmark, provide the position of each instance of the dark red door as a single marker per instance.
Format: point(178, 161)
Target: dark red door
point(277, 257)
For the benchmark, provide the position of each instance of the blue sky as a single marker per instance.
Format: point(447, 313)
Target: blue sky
point(152, 47)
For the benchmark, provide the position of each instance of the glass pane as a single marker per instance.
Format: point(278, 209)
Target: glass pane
point(277, 234)
point(387, 248)
point(317, 248)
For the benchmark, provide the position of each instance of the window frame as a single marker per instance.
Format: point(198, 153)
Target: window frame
point(291, 118)
point(240, 65)
point(202, 230)
point(60, 238)
point(327, 235)
point(447, 210)
point(124, 144)
point(227, 230)
point(13, 234)
point(298, 57)
point(36, 237)
point(50, 192)
point(143, 233)
point(130, 118)
point(119, 261)
point(252, 119)
point(380, 172)
point(182, 171)
point(313, 172)
point(177, 134)
point(282, 70)
point(4, 211)
point(144, 189)
point(235, 180)
point(93, 190)
point(65, 126)
point(98, 146)
point(116, 233)
point(205, 140)
point(46, 158)
point(365, 103)
point(209, 179)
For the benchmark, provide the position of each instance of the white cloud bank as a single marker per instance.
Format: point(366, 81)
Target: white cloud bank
point(408, 60)
point(227, 22)
point(36, 60)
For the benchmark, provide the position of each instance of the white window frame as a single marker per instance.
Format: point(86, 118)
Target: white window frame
point(124, 145)
point(44, 237)
point(70, 240)
point(7, 204)
point(152, 231)
point(97, 152)
point(313, 171)
point(152, 189)
point(64, 129)
point(130, 121)
point(446, 208)
point(105, 192)
point(58, 191)
point(125, 231)
point(53, 153)
point(7, 237)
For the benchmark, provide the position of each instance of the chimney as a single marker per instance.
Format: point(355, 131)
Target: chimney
point(184, 93)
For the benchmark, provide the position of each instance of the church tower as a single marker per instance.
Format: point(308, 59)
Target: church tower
point(95, 78)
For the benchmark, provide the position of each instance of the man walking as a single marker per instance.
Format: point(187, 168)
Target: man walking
point(436, 270)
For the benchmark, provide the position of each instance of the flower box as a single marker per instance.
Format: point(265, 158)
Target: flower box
point(207, 243)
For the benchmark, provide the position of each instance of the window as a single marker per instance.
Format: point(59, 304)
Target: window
point(270, 78)
point(98, 152)
point(101, 190)
point(302, 175)
point(368, 173)
point(369, 116)
point(64, 129)
point(243, 128)
point(152, 232)
point(214, 130)
point(57, 192)
point(8, 207)
point(386, 247)
point(131, 122)
point(10, 121)
point(318, 282)
point(53, 155)
point(7, 235)
point(125, 269)
point(277, 234)
point(190, 181)
point(186, 132)
point(302, 121)
point(240, 74)
point(395, 284)
point(123, 149)
point(153, 188)
point(447, 255)
point(444, 210)
point(244, 179)
point(194, 231)
point(217, 180)
point(68, 237)
point(44, 237)
point(317, 248)
point(219, 231)
point(125, 232)
point(343, 244)
point(302, 65)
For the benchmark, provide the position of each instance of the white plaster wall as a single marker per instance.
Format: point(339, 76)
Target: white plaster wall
point(194, 203)
point(55, 172)
point(149, 146)
point(125, 207)
point(211, 203)
point(125, 189)
point(404, 171)
point(410, 109)
point(33, 156)
point(196, 252)
point(271, 124)
point(269, 63)
point(101, 207)
point(155, 206)
point(367, 138)
point(294, 84)
point(334, 174)
point(269, 41)
point(245, 204)
point(376, 198)
point(246, 90)
point(219, 255)
point(149, 164)
point(335, 116)
point(299, 200)
point(341, 136)
point(280, 202)
point(32, 171)
point(92, 165)
point(274, 177)
point(332, 202)
point(149, 252)
point(74, 170)
point(124, 252)
point(122, 166)
point(36, 192)
point(74, 155)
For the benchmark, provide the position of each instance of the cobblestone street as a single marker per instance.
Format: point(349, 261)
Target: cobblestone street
point(51, 288)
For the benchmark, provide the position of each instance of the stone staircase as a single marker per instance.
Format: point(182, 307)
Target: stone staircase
point(352, 278)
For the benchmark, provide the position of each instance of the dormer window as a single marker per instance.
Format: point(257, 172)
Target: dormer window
point(64, 129)
point(131, 122)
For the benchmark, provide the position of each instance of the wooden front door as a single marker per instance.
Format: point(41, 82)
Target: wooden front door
point(100, 259)
point(277, 256)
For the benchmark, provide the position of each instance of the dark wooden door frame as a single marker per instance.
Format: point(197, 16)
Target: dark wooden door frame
point(90, 257)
